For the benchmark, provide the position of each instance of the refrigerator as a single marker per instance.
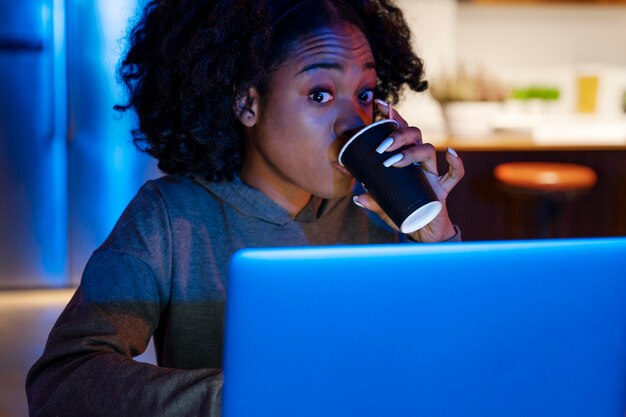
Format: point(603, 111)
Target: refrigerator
point(68, 166)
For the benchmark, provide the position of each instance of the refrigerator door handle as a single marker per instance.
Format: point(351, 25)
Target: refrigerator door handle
point(20, 45)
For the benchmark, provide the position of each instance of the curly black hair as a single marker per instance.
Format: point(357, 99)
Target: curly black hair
point(190, 62)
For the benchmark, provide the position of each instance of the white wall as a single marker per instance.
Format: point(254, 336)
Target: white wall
point(541, 36)
point(434, 27)
point(548, 45)
point(520, 44)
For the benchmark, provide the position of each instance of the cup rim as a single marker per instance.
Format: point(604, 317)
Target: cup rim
point(380, 122)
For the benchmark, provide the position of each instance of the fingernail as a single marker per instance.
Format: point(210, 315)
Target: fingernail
point(396, 158)
point(355, 201)
point(382, 103)
point(384, 145)
point(452, 152)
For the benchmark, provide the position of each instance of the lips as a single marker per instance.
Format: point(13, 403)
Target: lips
point(342, 170)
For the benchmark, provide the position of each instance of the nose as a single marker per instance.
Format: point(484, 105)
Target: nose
point(351, 118)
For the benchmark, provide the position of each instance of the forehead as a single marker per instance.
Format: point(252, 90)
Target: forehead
point(337, 43)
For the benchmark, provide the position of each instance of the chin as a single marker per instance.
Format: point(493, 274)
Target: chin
point(339, 189)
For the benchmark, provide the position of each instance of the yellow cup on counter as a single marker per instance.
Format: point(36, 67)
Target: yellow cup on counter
point(587, 92)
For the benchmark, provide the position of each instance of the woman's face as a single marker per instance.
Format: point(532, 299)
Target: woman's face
point(314, 101)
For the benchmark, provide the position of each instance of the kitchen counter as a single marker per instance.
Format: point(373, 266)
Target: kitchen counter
point(524, 142)
point(515, 131)
point(512, 141)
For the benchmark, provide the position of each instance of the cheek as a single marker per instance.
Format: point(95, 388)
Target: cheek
point(301, 134)
point(285, 123)
point(304, 134)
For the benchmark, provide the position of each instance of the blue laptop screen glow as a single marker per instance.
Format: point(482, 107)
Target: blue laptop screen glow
point(526, 328)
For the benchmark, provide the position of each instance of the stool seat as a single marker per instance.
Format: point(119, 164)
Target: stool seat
point(546, 176)
point(548, 183)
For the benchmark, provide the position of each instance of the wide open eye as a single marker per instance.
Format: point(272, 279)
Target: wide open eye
point(366, 96)
point(321, 97)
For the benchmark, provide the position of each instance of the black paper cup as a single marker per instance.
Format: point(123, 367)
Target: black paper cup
point(403, 193)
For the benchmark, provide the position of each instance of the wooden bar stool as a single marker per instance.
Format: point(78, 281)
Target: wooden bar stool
point(548, 183)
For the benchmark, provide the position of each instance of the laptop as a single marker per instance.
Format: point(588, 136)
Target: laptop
point(517, 328)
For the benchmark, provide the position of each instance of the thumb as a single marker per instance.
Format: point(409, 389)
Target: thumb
point(367, 202)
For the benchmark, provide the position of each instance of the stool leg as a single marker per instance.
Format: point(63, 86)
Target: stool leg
point(548, 212)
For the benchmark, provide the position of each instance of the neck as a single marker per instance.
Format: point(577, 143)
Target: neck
point(289, 197)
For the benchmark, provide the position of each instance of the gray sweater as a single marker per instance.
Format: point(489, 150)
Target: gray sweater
point(162, 273)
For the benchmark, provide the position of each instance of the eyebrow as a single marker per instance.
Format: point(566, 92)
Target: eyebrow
point(331, 66)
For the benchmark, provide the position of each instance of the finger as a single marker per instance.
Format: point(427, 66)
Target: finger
point(424, 154)
point(388, 111)
point(408, 136)
point(456, 171)
point(367, 202)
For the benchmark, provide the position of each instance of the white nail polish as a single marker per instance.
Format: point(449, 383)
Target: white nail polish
point(382, 103)
point(452, 152)
point(396, 158)
point(354, 200)
point(384, 145)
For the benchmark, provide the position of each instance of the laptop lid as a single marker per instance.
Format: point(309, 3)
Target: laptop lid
point(522, 328)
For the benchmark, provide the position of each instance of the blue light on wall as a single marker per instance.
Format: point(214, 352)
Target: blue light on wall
point(54, 254)
point(105, 169)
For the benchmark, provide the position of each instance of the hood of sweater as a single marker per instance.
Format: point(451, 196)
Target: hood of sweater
point(254, 203)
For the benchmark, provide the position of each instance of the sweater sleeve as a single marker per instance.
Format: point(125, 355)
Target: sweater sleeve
point(87, 367)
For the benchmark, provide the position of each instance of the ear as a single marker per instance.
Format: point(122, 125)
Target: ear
point(247, 108)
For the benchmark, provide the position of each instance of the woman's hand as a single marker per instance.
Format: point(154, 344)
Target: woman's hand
point(441, 227)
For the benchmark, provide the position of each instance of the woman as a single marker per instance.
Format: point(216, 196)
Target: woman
point(245, 105)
